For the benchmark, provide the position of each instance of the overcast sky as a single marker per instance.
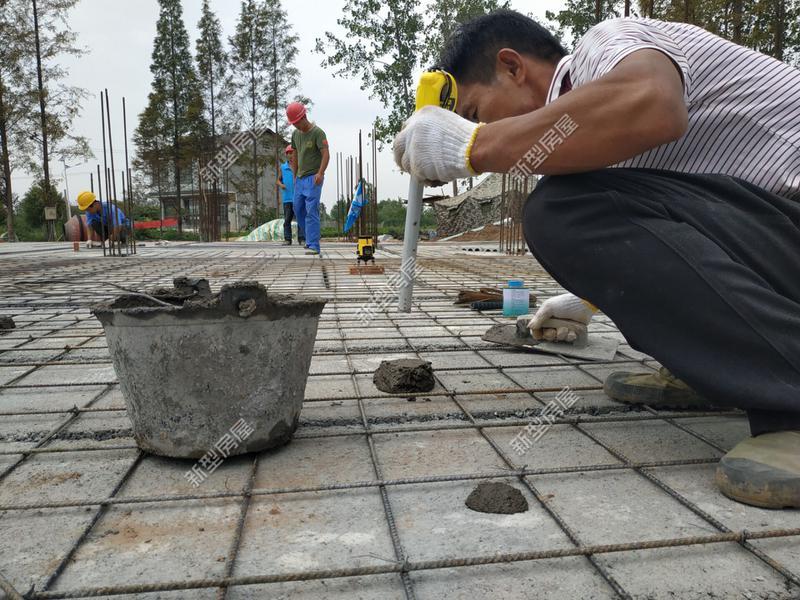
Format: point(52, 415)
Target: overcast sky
point(119, 37)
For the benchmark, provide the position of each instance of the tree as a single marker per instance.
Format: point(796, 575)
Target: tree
point(36, 106)
point(768, 26)
point(30, 211)
point(152, 142)
point(52, 38)
point(212, 70)
point(284, 79)
point(175, 100)
point(578, 16)
point(381, 48)
point(215, 85)
point(250, 64)
point(444, 17)
point(15, 80)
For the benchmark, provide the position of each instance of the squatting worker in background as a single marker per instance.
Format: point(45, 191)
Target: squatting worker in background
point(310, 158)
point(286, 184)
point(691, 244)
point(114, 226)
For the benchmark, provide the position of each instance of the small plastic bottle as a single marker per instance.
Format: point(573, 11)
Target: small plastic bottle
point(516, 299)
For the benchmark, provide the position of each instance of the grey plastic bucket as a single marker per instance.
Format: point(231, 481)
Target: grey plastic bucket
point(191, 372)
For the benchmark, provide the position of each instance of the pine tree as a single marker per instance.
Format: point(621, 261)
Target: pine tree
point(250, 64)
point(284, 75)
point(176, 95)
point(215, 84)
point(152, 142)
point(212, 70)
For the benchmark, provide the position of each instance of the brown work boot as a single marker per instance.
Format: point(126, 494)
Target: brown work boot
point(658, 390)
point(763, 471)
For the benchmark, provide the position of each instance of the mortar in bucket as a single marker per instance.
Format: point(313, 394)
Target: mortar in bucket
point(192, 364)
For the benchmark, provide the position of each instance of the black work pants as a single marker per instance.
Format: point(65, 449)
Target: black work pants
point(103, 232)
point(702, 272)
point(288, 215)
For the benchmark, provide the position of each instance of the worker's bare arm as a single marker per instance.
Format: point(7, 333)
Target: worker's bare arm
point(293, 163)
point(326, 157)
point(637, 106)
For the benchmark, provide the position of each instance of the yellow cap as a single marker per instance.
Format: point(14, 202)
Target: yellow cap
point(85, 200)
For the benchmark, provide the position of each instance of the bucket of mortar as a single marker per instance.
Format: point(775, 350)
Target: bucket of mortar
point(194, 365)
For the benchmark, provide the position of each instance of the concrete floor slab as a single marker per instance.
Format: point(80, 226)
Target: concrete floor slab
point(22, 399)
point(418, 454)
point(36, 541)
point(434, 523)
point(697, 573)
point(153, 543)
point(295, 532)
point(66, 476)
point(383, 587)
point(549, 377)
point(533, 580)
point(315, 461)
point(560, 446)
point(610, 507)
point(651, 440)
point(190, 538)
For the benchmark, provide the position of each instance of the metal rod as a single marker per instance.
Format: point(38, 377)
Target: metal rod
point(115, 246)
point(105, 172)
point(129, 210)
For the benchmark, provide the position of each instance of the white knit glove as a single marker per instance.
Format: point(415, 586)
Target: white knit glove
point(565, 306)
point(434, 145)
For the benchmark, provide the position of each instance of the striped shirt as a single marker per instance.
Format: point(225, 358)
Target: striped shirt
point(744, 107)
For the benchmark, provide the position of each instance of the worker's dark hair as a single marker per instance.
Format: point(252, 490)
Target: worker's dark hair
point(470, 53)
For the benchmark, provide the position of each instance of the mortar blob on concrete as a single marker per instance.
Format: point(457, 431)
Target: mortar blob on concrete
point(498, 498)
point(6, 323)
point(404, 375)
point(211, 370)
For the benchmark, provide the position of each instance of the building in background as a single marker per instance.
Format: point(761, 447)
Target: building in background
point(240, 204)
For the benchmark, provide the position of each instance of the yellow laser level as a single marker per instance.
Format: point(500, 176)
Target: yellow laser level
point(365, 250)
point(437, 88)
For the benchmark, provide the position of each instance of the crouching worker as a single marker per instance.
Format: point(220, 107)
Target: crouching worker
point(97, 217)
point(690, 244)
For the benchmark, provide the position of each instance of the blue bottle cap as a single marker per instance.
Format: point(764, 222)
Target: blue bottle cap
point(515, 283)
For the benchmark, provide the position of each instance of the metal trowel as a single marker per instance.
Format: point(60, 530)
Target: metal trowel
point(518, 335)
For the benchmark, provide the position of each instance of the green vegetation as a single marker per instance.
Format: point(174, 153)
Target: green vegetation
point(29, 223)
point(769, 26)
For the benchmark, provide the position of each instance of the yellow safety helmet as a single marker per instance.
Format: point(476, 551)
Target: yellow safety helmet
point(86, 199)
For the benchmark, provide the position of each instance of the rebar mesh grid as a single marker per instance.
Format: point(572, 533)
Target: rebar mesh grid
point(483, 394)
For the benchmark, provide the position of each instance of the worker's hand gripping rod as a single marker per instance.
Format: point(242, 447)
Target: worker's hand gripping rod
point(435, 88)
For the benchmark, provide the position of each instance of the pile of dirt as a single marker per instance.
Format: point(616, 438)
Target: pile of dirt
point(404, 375)
point(6, 323)
point(497, 498)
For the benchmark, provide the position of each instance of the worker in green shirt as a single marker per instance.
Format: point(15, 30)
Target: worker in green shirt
point(309, 158)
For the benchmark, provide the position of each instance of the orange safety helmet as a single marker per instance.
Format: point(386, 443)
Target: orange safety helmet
point(288, 149)
point(295, 111)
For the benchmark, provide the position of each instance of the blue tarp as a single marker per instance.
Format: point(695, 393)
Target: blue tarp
point(355, 207)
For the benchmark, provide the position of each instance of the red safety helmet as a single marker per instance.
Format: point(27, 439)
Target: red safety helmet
point(295, 111)
point(288, 149)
